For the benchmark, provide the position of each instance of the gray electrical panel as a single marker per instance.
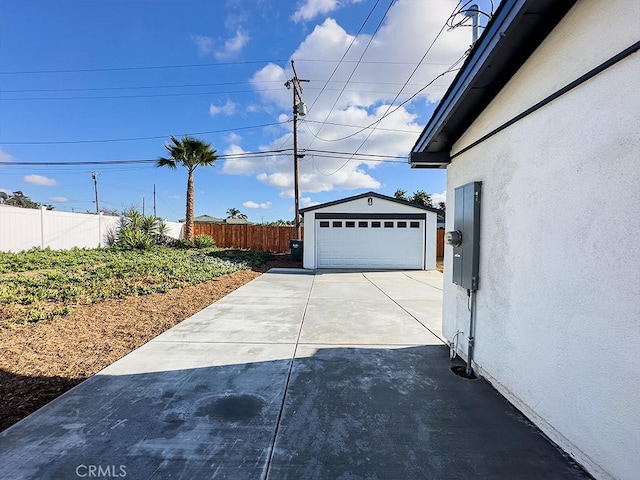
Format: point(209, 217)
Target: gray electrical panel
point(465, 238)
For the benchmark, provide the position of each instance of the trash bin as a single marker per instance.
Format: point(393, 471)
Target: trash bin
point(296, 250)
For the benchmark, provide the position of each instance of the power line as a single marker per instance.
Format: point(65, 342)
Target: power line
point(194, 65)
point(364, 51)
point(403, 87)
point(82, 162)
point(226, 157)
point(231, 156)
point(134, 139)
point(311, 150)
point(374, 124)
point(357, 126)
point(127, 69)
point(149, 95)
point(388, 111)
point(315, 164)
point(355, 37)
point(167, 95)
point(184, 85)
point(135, 87)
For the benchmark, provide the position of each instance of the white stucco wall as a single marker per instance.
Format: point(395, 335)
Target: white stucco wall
point(558, 318)
point(361, 205)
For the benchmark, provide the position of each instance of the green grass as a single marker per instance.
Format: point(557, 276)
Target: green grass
point(42, 284)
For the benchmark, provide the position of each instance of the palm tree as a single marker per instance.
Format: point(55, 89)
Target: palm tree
point(235, 213)
point(190, 153)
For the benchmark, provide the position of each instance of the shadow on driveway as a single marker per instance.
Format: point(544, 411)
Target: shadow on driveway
point(331, 413)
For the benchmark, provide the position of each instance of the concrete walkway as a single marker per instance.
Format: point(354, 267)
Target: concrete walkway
point(333, 375)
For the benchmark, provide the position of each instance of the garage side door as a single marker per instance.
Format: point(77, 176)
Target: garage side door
point(367, 243)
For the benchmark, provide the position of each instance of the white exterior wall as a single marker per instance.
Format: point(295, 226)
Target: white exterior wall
point(25, 228)
point(361, 206)
point(558, 306)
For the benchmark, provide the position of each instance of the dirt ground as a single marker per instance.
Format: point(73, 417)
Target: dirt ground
point(41, 361)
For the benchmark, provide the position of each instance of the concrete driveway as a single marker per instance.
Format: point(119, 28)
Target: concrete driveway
point(332, 375)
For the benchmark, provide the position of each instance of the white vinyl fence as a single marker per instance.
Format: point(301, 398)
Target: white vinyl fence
point(25, 228)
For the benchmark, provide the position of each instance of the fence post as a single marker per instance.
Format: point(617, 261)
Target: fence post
point(100, 219)
point(43, 209)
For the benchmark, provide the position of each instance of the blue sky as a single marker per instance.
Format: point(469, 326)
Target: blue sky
point(104, 81)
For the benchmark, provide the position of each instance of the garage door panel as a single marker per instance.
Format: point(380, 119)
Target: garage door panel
point(367, 246)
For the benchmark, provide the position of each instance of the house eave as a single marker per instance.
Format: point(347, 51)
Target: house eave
point(429, 159)
point(517, 28)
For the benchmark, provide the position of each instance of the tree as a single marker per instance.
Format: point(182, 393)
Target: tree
point(419, 197)
point(442, 206)
point(110, 212)
point(19, 199)
point(235, 213)
point(401, 194)
point(280, 223)
point(189, 153)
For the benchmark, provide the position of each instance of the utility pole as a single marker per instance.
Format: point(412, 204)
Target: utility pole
point(143, 206)
point(155, 213)
point(472, 12)
point(299, 108)
point(94, 175)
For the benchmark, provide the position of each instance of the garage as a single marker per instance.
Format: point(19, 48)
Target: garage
point(370, 231)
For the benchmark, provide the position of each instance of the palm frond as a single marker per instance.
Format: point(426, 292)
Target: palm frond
point(166, 162)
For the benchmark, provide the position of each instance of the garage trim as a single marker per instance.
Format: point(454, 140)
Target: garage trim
point(367, 216)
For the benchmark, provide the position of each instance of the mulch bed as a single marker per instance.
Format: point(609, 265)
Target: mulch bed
point(41, 361)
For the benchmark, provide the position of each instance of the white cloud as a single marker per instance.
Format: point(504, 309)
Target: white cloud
point(230, 48)
point(436, 198)
point(280, 180)
point(263, 81)
point(6, 157)
point(252, 204)
point(228, 108)
point(335, 118)
point(235, 164)
point(233, 46)
point(58, 199)
point(307, 202)
point(175, 197)
point(39, 180)
point(312, 8)
point(235, 19)
point(203, 43)
point(233, 137)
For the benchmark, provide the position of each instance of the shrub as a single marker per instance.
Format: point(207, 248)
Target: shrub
point(131, 239)
point(203, 241)
point(137, 232)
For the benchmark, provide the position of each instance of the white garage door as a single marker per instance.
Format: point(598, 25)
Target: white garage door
point(370, 243)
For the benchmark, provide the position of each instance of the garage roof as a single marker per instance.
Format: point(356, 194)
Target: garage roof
point(517, 28)
point(369, 194)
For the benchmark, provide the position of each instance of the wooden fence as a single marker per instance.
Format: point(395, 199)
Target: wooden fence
point(440, 242)
point(267, 238)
